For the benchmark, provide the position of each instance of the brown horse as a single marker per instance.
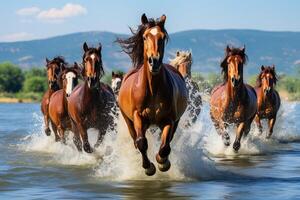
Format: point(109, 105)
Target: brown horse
point(153, 92)
point(183, 63)
point(116, 80)
point(91, 102)
point(233, 101)
point(268, 99)
point(54, 68)
point(58, 106)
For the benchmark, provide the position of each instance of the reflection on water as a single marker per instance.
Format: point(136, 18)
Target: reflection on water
point(34, 166)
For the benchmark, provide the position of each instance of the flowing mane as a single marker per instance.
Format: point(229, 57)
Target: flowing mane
point(181, 57)
point(134, 45)
point(232, 52)
point(58, 60)
point(266, 70)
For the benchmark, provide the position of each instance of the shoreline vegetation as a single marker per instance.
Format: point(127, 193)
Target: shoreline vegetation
point(28, 86)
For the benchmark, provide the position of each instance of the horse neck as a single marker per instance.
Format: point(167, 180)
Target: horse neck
point(235, 94)
point(150, 82)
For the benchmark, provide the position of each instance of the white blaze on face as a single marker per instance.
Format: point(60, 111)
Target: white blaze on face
point(93, 56)
point(154, 31)
point(70, 76)
point(115, 84)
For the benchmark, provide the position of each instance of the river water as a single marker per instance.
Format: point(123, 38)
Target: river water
point(33, 166)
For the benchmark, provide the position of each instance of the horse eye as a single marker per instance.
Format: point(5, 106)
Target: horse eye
point(144, 37)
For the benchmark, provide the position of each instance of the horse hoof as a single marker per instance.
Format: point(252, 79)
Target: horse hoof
point(48, 131)
point(163, 167)
point(268, 136)
point(151, 170)
point(87, 148)
point(236, 146)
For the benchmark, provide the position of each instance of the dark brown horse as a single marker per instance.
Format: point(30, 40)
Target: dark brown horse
point(91, 102)
point(58, 106)
point(153, 92)
point(54, 68)
point(233, 102)
point(268, 99)
point(183, 63)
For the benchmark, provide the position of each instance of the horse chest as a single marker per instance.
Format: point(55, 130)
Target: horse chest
point(153, 111)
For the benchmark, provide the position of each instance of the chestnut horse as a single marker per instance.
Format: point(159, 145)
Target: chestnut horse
point(268, 99)
point(116, 80)
point(153, 92)
point(90, 103)
point(183, 63)
point(233, 102)
point(54, 68)
point(58, 106)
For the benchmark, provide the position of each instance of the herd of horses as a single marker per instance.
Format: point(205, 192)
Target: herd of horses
point(152, 93)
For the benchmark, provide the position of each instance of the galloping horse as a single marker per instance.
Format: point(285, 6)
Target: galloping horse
point(183, 63)
point(90, 103)
point(116, 80)
point(58, 106)
point(268, 99)
point(153, 92)
point(54, 68)
point(233, 101)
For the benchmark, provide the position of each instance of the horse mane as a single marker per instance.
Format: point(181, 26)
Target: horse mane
point(267, 69)
point(233, 52)
point(58, 60)
point(92, 50)
point(134, 45)
point(181, 58)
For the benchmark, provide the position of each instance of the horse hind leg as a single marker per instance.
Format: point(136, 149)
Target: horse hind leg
point(54, 128)
point(142, 144)
point(47, 129)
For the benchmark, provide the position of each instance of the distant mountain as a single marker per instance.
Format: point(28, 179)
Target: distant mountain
point(262, 47)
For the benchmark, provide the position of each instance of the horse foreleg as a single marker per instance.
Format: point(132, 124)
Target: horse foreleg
point(54, 128)
point(142, 144)
point(258, 123)
point(271, 126)
point(61, 132)
point(239, 134)
point(84, 137)
point(165, 149)
point(46, 120)
point(76, 137)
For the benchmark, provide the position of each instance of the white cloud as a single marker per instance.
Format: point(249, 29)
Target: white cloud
point(28, 11)
point(16, 37)
point(69, 10)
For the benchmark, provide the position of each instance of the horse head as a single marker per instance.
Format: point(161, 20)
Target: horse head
point(70, 78)
point(154, 38)
point(54, 68)
point(92, 65)
point(267, 78)
point(116, 80)
point(183, 63)
point(232, 65)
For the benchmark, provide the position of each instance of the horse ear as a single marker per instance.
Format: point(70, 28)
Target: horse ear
point(228, 50)
point(47, 60)
point(99, 47)
point(85, 47)
point(162, 20)
point(178, 53)
point(243, 48)
point(190, 54)
point(62, 66)
point(273, 67)
point(144, 19)
point(262, 68)
point(112, 73)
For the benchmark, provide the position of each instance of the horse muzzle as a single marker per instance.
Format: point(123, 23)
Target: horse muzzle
point(154, 64)
point(92, 81)
point(268, 90)
point(235, 82)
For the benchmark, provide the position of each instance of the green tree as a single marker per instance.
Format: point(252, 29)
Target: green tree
point(11, 77)
point(35, 84)
point(40, 72)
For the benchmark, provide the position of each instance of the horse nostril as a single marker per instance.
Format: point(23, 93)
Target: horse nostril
point(232, 80)
point(150, 60)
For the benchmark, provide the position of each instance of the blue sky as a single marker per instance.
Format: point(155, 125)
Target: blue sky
point(31, 19)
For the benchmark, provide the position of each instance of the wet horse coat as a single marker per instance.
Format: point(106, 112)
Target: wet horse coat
point(152, 93)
